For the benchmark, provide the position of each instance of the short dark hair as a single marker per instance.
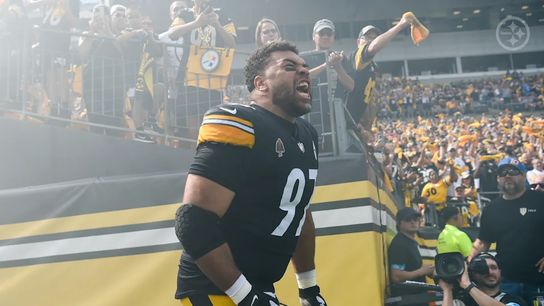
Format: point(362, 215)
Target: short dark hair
point(449, 212)
point(259, 59)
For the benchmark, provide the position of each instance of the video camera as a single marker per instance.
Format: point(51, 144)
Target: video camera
point(450, 266)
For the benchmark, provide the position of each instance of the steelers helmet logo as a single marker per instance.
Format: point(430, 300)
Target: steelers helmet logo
point(210, 60)
point(512, 33)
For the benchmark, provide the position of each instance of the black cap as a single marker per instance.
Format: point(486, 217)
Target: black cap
point(406, 213)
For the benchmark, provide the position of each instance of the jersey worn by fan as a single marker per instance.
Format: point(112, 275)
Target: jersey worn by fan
point(271, 165)
point(437, 193)
point(363, 71)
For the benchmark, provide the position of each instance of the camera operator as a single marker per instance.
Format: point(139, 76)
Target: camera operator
point(482, 287)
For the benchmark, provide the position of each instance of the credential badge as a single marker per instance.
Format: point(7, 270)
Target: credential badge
point(280, 148)
point(523, 211)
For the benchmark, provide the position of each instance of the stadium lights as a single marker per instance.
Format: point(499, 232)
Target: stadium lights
point(456, 12)
point(525, 7)
point(459, 26)
point(502, 9)
point(476, 11)
point(465, 19)
point(529, 14)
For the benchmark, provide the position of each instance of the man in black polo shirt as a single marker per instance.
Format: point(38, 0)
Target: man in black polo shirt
point(515, 222)
point(403, 255)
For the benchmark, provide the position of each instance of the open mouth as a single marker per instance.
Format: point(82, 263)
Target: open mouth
point(303, 88)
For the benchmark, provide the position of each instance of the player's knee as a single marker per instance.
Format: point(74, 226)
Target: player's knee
point(198, 230)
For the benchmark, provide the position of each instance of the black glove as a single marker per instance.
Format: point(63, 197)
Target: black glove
point(311, 297)
point(259, 298)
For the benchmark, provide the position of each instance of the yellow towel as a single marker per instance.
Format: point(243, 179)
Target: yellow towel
point(417, 30)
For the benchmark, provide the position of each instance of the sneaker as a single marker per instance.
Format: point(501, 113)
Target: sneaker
point(153, 128)
point(141, 137)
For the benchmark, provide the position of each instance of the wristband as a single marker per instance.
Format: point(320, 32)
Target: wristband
point(469, 287)
point(306, 279)
point(239, 290)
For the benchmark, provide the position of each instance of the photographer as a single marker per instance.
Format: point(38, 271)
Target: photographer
point(482, 287)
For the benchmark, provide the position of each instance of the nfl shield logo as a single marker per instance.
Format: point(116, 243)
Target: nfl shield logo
point(523, 211)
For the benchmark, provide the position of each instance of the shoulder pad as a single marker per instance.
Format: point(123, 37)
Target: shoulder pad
point(228, 124)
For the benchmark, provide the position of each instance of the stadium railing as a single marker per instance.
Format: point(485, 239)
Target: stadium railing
point(91, 92)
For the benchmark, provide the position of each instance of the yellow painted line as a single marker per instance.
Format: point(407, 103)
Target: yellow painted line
point(352, 191)
point(89, 221)
point(322, 194)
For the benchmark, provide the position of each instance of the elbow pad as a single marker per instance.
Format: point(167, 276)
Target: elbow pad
point(198, 230)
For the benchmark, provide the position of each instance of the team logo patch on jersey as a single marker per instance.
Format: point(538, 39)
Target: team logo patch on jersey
point(301, 147)
point(523, 211)
point(280, 148)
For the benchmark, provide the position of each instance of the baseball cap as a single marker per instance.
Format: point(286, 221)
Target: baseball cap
point(116, 8)
point(406, 213)
point(511, 162)
point(366, 29)
point(323, 24)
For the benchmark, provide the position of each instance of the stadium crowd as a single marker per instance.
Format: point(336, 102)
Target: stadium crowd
point(121, 72)
point(408, 98)
point(467, 149)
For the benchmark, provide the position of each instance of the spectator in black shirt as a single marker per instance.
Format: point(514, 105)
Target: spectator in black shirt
point(405, 261)
point(515, 222)
point(481, 289)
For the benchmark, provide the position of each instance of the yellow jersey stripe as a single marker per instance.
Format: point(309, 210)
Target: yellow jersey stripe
point(360, 63)
point(228, 132)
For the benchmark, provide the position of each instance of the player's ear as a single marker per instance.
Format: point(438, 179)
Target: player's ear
point(260, 83)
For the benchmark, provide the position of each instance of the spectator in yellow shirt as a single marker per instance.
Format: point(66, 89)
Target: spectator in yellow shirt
point(451, 239)
point(435, 194)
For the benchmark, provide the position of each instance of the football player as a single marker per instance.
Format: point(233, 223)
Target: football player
point(247, 193)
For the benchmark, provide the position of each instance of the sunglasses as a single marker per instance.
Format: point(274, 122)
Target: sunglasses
point(270, 31)
point(509, 172)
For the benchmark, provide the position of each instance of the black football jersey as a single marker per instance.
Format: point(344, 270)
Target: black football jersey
point(271, 165)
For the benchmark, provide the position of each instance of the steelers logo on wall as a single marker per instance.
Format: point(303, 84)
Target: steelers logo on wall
point(210, 60)
point(513, 33)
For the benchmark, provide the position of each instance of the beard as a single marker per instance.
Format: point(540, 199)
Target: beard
point(285, 97)
point(511, 188)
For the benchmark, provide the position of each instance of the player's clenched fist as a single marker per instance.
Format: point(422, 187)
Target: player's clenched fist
point(311, 297)
point(259, 298)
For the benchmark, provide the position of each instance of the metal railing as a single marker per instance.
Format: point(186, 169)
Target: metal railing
point(113, 87)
